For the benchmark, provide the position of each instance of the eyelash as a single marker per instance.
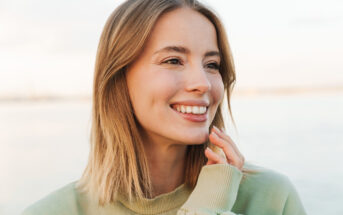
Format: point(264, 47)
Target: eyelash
point(172, 59)
point(214, 65)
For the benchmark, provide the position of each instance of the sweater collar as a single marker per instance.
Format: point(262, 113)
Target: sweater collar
point(159, 204)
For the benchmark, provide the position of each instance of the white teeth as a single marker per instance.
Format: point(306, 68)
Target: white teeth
point(190, 109)
point(196, 109)
point(183, 109)
point(202, 109)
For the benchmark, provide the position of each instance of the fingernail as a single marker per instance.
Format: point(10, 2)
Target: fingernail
point(217, 129)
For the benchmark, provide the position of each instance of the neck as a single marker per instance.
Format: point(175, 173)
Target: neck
point(166, 164)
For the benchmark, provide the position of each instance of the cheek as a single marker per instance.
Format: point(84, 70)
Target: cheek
point(153, 89)
point(217, 90)
point(165, 85)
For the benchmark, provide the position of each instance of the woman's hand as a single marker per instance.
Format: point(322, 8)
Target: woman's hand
point(223, 141)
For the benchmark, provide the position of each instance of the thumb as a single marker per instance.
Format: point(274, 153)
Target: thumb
point(210, 162)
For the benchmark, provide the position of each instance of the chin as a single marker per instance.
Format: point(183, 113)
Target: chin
point(196, 139)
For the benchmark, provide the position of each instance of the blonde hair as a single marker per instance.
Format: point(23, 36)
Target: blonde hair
point(117, 162)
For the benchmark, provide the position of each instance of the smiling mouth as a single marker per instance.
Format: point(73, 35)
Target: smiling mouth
point(190, 110)
point(199, 115)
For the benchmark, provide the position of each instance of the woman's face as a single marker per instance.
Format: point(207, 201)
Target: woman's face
point(178, 69)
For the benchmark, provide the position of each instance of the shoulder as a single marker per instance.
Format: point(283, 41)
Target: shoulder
point(264, 183)
point(267, 191)
point(61, 201)
point(265, 178)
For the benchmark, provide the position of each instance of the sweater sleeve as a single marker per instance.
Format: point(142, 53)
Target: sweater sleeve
point(215, 192)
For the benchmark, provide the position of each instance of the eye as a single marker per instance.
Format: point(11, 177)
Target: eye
point(213, 65)
point(174, 61)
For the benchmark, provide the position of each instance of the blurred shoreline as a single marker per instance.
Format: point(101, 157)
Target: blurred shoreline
point(239, 92)
point(287, 90)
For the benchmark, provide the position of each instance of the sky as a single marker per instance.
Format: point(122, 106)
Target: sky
point(48, 47)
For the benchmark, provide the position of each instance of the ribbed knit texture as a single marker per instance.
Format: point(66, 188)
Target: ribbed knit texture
point(159, 204)
point(221, 190)
point(217, 198)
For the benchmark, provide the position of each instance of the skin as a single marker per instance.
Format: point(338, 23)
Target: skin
point(158, 78)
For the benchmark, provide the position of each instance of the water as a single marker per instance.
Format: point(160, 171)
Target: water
point(44, 145)
point(301, 137)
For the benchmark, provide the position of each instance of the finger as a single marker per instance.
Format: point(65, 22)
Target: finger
point(213, 158)
point(209, 158)
point(230, 153)
point(221, 134)
point(226, 137)
point(210, 162)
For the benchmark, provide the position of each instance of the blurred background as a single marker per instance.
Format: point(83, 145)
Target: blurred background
point(287, 102)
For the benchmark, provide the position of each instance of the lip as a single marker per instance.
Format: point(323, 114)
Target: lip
point(192, 117)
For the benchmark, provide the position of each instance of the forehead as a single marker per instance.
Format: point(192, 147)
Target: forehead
point(183, 27)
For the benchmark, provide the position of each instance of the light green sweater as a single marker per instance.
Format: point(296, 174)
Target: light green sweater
point(221, 189)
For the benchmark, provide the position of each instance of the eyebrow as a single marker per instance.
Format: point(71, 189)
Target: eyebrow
point(184, 50)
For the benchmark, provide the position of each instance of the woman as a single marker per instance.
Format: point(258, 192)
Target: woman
point(162, 70)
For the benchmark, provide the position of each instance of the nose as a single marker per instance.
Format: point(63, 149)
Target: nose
point(197, 80)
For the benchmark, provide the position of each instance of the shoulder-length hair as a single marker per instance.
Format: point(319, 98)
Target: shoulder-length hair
point(117, 162)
